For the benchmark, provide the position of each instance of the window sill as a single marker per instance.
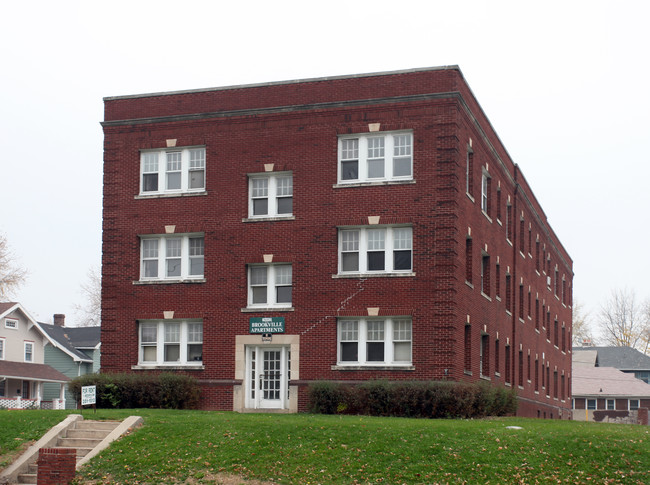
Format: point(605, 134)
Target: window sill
point(486, 215)
point(373, 367)
point(485, 378)
point(467, 372)
point(168, 282)
point(168, 367)
point(487, 297)
point(268, 309)
point(342, 185)
point(469, 284)
point(269, 219)
point(160, 195)
point(373, 275)
point(470, 197)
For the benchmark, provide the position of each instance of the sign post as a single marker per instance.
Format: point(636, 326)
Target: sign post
point(89, 396)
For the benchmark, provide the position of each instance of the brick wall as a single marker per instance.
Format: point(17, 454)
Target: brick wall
point(295, 127)
point(56, 466)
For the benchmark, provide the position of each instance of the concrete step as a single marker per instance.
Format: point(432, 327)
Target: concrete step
point(77, 442)
point(99, 434)
point(27, 478)
point(88, 424)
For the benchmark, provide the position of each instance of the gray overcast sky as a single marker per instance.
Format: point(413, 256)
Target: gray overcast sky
point(564, 83)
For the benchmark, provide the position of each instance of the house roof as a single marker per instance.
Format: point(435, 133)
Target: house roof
point(5, 307)
point(26, 370)
point(68, 339)
point(606, 382)
point(623, 358)
point(586, 357)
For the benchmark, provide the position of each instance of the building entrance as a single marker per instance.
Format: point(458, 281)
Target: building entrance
point(268, 373)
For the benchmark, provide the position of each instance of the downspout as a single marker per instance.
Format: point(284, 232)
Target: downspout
point(514, 350)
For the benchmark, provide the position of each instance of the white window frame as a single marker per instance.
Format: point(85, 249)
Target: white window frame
point(629, 404)
point(187, 336)
point(30, 353)
point(191, 163)
point(369, 154)
point(588, 403)
point(485, 195)
point(612, 402)
point(279, 186)
point(2, 348)
point(364, 240)
point(160, 252)
point(396, 330)
point(11, 324)
point(278, 276)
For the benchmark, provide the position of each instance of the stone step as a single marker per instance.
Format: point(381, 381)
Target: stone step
point(99, 434)
point(86, 424)
point(27, 478)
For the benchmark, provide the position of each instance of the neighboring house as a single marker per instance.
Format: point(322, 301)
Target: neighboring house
point(607, 394)
point(23, 372)
point(625, 359)
point(264, 237)
point(76, 352)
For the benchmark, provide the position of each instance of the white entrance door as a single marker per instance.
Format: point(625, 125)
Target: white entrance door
point(268, 377)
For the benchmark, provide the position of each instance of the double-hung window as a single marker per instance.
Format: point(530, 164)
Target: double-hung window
point(172, 170)
point(172, 257)
point(385, 249)
point(269, 285)
point(374, 341)
point(171, 342)
point(2, 348)
point(270, 195)
point(29, 351)
point(375, 157)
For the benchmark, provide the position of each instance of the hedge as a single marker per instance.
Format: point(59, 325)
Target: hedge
point(166, 390)
point(417, 399)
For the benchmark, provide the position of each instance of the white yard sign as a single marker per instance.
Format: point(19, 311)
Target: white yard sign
point(88, 394)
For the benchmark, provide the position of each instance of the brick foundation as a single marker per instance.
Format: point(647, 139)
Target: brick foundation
point(56, 466)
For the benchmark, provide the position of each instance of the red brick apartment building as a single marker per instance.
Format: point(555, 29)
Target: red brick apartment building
point(263, 237)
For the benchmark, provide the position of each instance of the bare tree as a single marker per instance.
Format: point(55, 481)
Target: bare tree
point(581, 331)
point(89, 313)
point(11, 275)
point(623, 321)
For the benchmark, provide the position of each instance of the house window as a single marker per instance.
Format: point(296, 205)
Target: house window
point(270, 195)
point(173, 257)
point(508, 222)
point(174, 170)
point(29, 351)
point(468, 348)
point(12, 324)
point(611, 404)
point(497, 357)
point(633, 404)
point(385, 341)
point(508, 367)
point(508, 293)
point(536, 375)
point(375, 157)
point(485, 194)
point(171, 342)
point(469, 173)
point(520, 379)
point(468, 260)
point(269, 285)
point(2, 349)
point(2, 388)
point(384, 250)
point(485, 274)
point(484, 361)
point(591, 404)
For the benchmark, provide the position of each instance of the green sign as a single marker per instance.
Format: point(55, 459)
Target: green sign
point(266, 325)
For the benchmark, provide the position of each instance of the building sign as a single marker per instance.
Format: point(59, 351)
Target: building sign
point(266, 325)
point(88, 394)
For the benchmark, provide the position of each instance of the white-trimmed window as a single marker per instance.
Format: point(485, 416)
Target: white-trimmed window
point(633, 404)
point(611, 404)
point(171, 257)
point(591, 404)
point(375, 157)
point(2, 348)
point(374, 341)
point(270, 195)
point(29, 351)
point(269, 285)
point(383, 249)
point(171, 342)
point(172, 170)
point(11, 323)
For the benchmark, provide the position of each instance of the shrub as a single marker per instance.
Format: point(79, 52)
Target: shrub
point(423, 399)
point(166, 390)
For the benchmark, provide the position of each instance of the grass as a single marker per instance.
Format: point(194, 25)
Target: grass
point(196, 446)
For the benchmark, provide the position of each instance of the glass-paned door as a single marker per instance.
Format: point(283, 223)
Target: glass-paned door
point(268, 377)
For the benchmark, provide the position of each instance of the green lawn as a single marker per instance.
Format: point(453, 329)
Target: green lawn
point(196, 446)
